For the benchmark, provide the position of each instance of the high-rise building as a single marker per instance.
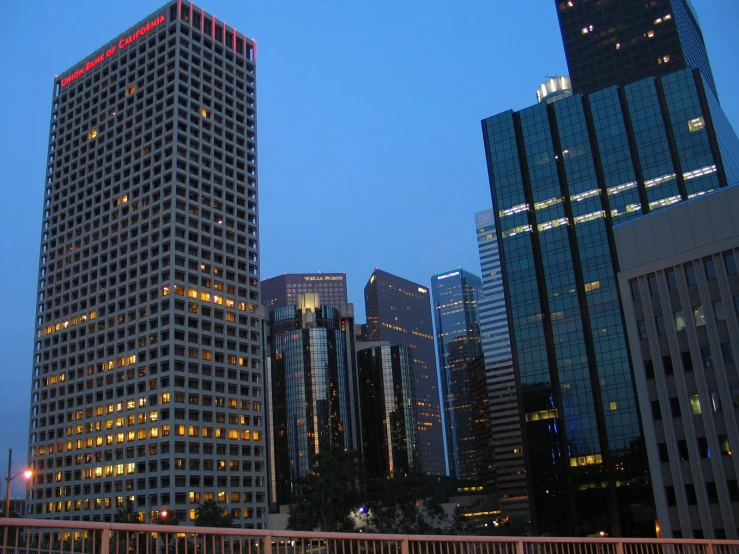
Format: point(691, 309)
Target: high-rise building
point(510, 467)
point(313, 397)
point(387, 394)
point(678, 278)
point(283, 290)
point(147, 386)
point(463, 384)
point(399, 312)
point(622, 41)
point(561, 176)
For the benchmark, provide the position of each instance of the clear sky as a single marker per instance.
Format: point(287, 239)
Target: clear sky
point(369, 141)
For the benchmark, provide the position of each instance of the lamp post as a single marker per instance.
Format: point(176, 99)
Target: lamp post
point(27, 473)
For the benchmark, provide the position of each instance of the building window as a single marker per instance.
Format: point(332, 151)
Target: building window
point(715, 401)
point(92, 134)
point(656, 411)
point(695, 404)
point(735, 397)
point(697, 124)
point(730, 261)
point(635, 291)
point(718, 309)
point(682, 449)
point(653, 286)
point(710, 268)
point(649, 369)
point(675, 406)
point(131, 89)
point(690, 275)
point(687, 361)
point(671, 279)
point(670, 495)
point(690, 494)
point(642, 326)
point(205, 113)
point(723, 441)
point(667, 365)
point(703, 450)
point(707, 357)
point(679, 320)
point(664, 457)
point(699, 317)
point(728, 352)
point(659, 321)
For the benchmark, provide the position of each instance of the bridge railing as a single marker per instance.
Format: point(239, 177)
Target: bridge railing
point(43, 536)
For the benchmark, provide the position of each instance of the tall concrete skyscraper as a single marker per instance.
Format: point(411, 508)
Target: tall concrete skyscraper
point(399, 312)
point(510, 467)
point(621, 41)
point(462, 370)
point(147, 387)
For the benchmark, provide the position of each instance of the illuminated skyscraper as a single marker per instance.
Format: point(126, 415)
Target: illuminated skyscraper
point(147, 386)
point(399, 312)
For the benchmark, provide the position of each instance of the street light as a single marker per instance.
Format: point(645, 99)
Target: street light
point(27, 474)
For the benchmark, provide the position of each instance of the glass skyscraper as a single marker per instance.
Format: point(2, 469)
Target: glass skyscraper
point(561, 176)
point(462, 373)
point(387, 394)
point(622, 41)
point(510, 468)
point(313, 390)
point(399, 311)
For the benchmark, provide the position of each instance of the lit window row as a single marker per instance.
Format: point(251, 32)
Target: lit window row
point(621, 188)
point(59, 326)
point(700, 172)
point(629, 208)
point(206, 296)
point(649, 183)
point(542, 415)
point(547, 225)
point(514, 210)
point(589, 217)
point(661, 19)
point(546, 203)
point(516, 230)
point(664, 202)
point(586, 460)
point(580, 196)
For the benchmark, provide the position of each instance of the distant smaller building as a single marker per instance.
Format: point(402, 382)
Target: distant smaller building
point(283, 290)
point(389, 414)
point(554, 89)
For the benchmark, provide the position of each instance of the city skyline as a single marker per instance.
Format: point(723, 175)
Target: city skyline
point(25, 172)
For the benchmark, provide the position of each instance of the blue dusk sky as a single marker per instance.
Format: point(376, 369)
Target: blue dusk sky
point(369, 140)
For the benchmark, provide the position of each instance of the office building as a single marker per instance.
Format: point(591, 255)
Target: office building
point(455, 299)
point(678, 278)
point(147, 385)
point(510, 468)
point(554, 89)
point(283, 290)
point(561, 176)
point(312, 389)
point(399, 312)
point(387, 394)
point(622, 41)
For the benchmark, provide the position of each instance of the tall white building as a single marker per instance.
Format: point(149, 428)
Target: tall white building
point(501, 381)
point(147, 386)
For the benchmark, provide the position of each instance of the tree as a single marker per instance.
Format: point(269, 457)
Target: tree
point(127, 515)
point(328, 494)
point(210, 514)
point(403, 504)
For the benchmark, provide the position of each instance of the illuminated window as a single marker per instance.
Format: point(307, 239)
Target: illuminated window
point(650, 33)
point(92, 134)
point(131, 89)
point(697, 124)
point(205, 113)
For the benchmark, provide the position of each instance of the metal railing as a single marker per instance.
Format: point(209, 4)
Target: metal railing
point(39, 536)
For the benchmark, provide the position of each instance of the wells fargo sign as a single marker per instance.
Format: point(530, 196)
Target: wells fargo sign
point(113, 49)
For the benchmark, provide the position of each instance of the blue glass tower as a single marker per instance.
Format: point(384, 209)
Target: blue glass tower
point(561, 176)
point(455, 296)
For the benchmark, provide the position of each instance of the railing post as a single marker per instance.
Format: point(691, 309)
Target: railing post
point(709, 548)
point(267, 543)
point(620, 547)
point(519, 546)
point(105, 541)
point(404, 549)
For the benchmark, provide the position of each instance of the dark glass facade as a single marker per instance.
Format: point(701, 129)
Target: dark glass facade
point(387, 393)
point(283, 290)
point(399, 311)
point(462, 370)
point(615, 42)
point(313, 390)
point(561, 176)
